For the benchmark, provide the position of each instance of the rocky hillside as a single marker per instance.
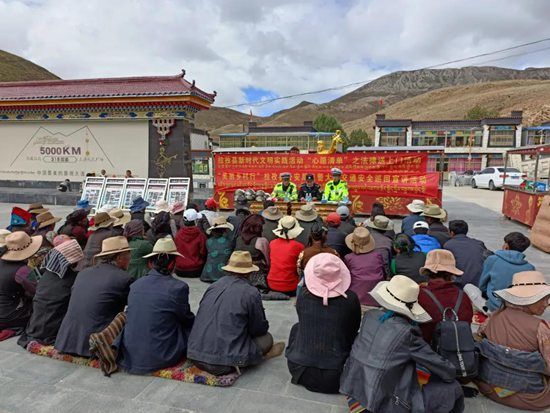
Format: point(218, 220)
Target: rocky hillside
point(14, 68)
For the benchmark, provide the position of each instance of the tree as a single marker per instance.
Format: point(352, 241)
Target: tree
point(478, 112)
point(359, 137)
point(327, 123)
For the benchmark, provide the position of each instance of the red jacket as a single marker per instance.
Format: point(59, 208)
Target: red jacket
point(191, 243)
point(447, 293)
point(283, 256)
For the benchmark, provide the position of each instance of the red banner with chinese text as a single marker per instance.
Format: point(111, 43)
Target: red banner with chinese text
point(369, 176)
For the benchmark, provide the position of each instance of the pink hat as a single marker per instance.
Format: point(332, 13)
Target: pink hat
point(178, 207)
point(327, 276)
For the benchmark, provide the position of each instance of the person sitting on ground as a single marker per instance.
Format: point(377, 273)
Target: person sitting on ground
point(177, 213)
point(335, 238)
point(210, 210)
point(283, 256)
point(365, 264)
point(381, 375)
point(347, 224)
point(121, 219)
point(498, 271)
point(251, 240)
point(20, 220)
point(422, 241)
point(469, 252)
point(203, 223)
point(45, 222)
point(99, 293)
point(440, 268)
point(134, 233)
point(416, 207)
point(520, 340)
point(329, 315)
point(35, 210)
point(191, 243)
point(317, 245)
point(219, 247)
point(53, 293)
point(137, 211)
point(406, 260)
point(310, 190)
point(158, 317)
point(435, 216)
point(306, 216)
point(378, 210)
point(379, 229)
point(15, 304)
point(230, 329)
point(241, 212)
point(102, 229)
point(76, 226)
point(271, 216)
point(162, 225)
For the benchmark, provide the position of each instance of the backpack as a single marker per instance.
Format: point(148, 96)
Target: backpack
point(453, 340)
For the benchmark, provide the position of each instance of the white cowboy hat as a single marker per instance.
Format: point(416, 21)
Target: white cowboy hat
point(164, 245)
point(400, 294)
point(417, 205)
point(162, 206)
point(3, 234)
point(306, 213)
point(219, 223)
point(528, 287)
point(288, 228)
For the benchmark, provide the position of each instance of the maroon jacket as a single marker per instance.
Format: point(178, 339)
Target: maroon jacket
point(447, 293)
point(191, 243)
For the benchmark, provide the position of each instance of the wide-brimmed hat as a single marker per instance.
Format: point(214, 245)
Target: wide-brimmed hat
point(360, 241)
point(400, 294)
point(434, 211)
point(417, 205)
point(19, 217)
point(162, 206)
point(105, 208)
point(288, 228)
point(21, 246)
point(440, 260)
point(241, 263)
point(102, 220)
point(327, 276)
point(37, 209)
point(307, 213)
point(272, 213)
point(380, 222)
point(139, 204)
point(178, 207)
point(83, 204)
point(219, 223)
point(122, 218)
point(45, 219)
point(114, 245)
point(3, 234)
point(166, 246)
point(528, 287)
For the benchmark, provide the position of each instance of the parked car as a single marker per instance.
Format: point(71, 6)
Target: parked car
point(493, 177)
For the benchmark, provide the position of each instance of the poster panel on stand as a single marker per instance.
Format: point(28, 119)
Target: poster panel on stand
point(112, 192)
point(92, 189)
point(178, 190)
point(135, 187)
point(156, 191)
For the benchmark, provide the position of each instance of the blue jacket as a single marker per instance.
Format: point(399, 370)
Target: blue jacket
point(158, 324)
point(469, 256)
point(425, 243)
point(498, 271)
point(408, 222)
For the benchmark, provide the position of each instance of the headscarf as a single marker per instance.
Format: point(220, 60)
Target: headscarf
point(62, 257)
point(252, 227)
point(161, 223)
point(76, 216)
point(133, 228)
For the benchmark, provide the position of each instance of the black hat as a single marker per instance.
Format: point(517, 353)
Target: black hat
point(310, 176)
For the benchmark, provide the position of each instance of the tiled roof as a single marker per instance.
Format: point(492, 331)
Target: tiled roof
point(124, 87)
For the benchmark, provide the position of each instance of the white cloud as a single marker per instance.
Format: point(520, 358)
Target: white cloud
point(283, 46)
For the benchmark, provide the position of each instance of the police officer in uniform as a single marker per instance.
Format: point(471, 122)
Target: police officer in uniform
point(336, 190)
point(285, 190)
point(310, 190)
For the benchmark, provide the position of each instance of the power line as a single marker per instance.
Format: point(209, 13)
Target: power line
point(514, 55)
point(259, 103)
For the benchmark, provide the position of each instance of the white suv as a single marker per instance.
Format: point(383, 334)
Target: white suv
point(493, 178)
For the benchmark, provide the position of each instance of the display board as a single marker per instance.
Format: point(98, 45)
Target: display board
point(156, 191)
point(178, 190)
point(92, 189)
point(112, 192)
point(135, 187)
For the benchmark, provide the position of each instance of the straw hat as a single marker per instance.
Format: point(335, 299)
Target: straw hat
point(37, 209)
point(307, 213)
point(288, 228)
point(434, 211)
point(240, 262)
point(45, 219)
point(3, 234)
point(360, 241)
point(102, 220)
point(440, 260)
point(272, 213)
point(122, 218)
point(380, 222)
point(327, 276)
point(162, 206)
point(106, 208)
point(178, 207)
point(21, 246)
point(400, 294)
point(218, 223)
point(528, 287)
point(139, 204)
point(417, 205)
point(114, 245)
point(166, 246)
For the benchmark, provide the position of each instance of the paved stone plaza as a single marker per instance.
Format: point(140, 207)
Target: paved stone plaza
point(31, 383)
